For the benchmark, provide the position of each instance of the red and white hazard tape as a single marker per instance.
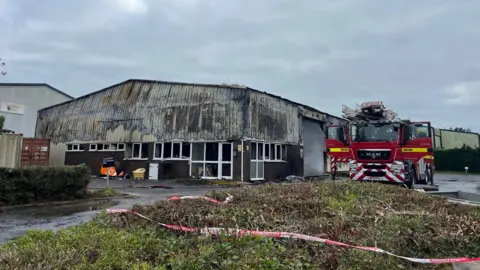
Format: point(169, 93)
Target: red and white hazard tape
point(177, 198)
point(240, 232)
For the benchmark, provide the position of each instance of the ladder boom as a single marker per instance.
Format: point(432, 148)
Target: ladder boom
point(369, 111)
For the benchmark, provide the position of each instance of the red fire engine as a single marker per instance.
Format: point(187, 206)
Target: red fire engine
point(378, 146)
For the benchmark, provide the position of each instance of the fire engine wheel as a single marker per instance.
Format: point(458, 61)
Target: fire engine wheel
point(412, 179)
point(429, 176)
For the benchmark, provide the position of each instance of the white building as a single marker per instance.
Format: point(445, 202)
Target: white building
point(20, 102)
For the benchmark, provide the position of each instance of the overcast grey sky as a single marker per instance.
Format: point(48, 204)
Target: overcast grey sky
point(420, 57)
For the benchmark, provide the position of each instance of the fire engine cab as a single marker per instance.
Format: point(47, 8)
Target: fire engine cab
point(378, 146)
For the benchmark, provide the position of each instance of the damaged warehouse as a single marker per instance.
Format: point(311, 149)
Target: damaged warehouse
point(178, 130)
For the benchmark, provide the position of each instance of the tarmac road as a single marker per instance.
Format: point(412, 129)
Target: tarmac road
point(458, 182)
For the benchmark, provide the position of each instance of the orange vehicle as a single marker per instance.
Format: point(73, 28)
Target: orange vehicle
point(110, 171)
point(109, 168)
point(378, 146)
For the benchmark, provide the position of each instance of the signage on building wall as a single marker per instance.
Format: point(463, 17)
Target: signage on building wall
point(10, 107)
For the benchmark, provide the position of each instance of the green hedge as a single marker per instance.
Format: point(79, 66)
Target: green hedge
point(457, 159)
point(2, 122)
point(39, 184)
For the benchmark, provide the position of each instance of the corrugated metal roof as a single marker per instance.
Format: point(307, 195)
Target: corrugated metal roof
point(38, 84)
point(223, 86)
point(147, 111)
point(141, 110)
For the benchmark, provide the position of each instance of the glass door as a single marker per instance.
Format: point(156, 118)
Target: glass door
point(256, 161)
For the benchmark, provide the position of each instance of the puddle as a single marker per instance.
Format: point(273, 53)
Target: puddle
point(15, 222)
point(52, 211)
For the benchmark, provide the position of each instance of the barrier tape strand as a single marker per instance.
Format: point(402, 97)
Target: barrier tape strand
point(288, 235)
point(177, 198)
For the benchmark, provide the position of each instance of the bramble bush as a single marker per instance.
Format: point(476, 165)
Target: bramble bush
point(457, 159)
point(39, 184)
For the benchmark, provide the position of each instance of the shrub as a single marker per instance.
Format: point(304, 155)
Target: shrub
point(403, 221)
point(457, 159)
point(2, 122)
point(36, 184)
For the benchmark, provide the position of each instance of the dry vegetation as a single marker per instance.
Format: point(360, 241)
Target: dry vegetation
point(402, 221)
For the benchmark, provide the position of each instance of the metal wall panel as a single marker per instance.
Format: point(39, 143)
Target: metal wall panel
point(273, 120)
point(450, 139)
point(10, 150)
point(32, 99)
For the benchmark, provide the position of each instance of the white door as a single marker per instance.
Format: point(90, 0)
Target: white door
point(153, 171)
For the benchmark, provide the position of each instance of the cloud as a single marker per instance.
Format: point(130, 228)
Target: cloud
point(63, 45)
point(6, 11)
point(416, 57)
point(464, 94)
point(130, 6)
point(105, 61)
point(26, 57)
point(87, 17)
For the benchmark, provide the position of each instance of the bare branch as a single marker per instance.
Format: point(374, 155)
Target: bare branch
point(2, 64)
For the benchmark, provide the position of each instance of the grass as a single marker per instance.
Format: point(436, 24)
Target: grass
point(402, 221)
point(103, 193)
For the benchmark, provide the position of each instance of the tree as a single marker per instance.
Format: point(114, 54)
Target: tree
point(460, 129)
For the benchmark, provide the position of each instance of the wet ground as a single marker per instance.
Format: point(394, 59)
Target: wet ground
point(458, 182)
point(16, 222)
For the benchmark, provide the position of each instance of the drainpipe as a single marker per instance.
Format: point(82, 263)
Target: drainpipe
point(241, 162)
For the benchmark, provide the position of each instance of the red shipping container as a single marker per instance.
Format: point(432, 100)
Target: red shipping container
point(35, 152)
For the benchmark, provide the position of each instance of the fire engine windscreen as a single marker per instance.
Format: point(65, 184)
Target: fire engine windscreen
point(374, 132)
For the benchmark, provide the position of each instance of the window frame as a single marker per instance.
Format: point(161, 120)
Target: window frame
point(273, 154)
point(266, 146)
point(78, 148)
point(140, 144)
point(181, 144)
point(110, 148)
point(278, 157)
point(118, 147)
point(284, 152)
point(155, 151)
point(219, 160)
